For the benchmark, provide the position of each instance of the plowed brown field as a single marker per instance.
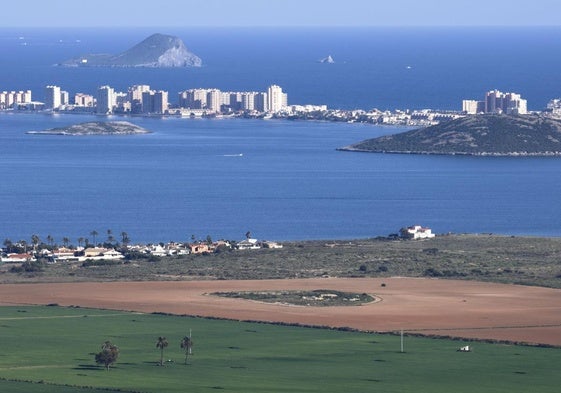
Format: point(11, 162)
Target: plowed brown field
point(428, 306)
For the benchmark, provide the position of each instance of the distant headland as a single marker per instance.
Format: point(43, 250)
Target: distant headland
point(158, 50)
point(95, 128)
point(478, 135)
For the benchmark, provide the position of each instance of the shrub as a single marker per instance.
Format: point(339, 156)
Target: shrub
point(432, 272)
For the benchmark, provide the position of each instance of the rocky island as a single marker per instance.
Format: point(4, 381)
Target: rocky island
point(478, 135)
point(95, 128)
point(158, 50)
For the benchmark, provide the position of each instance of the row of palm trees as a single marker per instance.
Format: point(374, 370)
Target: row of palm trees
point(22, 245)
point(186, 344)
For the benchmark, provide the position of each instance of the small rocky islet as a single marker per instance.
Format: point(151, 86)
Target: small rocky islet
point(156, 51)
point(477, 135)
point(95, 128)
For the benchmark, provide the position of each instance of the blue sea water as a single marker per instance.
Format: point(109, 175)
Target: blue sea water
point(278, 179)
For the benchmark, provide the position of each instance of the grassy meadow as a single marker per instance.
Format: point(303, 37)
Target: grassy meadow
point(51, 349)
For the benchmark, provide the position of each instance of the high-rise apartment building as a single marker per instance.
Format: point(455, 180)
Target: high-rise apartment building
point(161, 104)
point(106, 100)
point(155, 102)
point(497, 102)
point(213, 100)
point(194, 98)
point(261, 102)
point(509, 103)
point(135, 97)
point(248, 100)
point(81, 99)
point(276, 99)
point(52, 97)
point(9, 99)
point(64, 98)
point(235, 101)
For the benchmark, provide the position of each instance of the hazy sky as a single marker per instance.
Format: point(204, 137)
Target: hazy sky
point(184, 13)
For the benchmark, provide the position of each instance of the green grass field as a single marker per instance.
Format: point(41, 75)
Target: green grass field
point(52, 349)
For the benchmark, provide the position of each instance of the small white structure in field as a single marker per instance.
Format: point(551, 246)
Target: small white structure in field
point(467, 348)
point(417, 232)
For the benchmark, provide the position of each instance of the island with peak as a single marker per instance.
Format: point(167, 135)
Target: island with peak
point(478, 135)
point(95, 128)
point(156, 51)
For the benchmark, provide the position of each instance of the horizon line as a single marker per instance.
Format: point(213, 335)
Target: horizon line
point(6, 27)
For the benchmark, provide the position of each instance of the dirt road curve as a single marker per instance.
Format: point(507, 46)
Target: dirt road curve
point(444, 307)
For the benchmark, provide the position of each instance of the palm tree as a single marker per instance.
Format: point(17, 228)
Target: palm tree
point(50, 240)
point(125, 238)
point(8, 244)
point(186, 345)
point(80, 241)
point(35, 240)
point(161, 344)
point(65, 241)
point(248, 235)
point(94, 234)
point(23, 243)
point(110, 237)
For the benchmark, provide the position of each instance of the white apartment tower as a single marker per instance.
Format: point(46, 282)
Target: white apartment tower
point(509, 103)
point(64, 98)
point(106, 100)
point(155, 102)
point(52, 97)
point(214, 100)
point(161, 101)
point(135, 97)
point(276, 99)
point(470, 106)
point(10, 99)
point(81, 99)
point(248, 100)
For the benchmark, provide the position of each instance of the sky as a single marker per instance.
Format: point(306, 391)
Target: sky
point(210, 13)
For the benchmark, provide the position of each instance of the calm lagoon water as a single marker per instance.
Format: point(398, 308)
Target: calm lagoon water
point(277, 179)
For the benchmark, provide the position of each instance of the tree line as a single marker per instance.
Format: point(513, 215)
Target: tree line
point(49, 243)
point(110, 352)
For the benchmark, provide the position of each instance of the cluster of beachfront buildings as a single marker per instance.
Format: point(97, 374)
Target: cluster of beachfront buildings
point(496, 101)
point(141, 99)
point(97, 253)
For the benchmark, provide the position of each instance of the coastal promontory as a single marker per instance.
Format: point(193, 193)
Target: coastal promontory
point(157, 51)
point(478, 135)
point(95, 128)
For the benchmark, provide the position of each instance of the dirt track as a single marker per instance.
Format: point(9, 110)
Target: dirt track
point(444, 307)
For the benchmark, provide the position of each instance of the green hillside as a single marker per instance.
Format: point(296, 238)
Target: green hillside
point(494, 135)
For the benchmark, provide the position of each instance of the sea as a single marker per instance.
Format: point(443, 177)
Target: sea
point(278, 179)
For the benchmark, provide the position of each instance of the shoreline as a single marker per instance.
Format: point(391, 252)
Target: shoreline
point(459, 153)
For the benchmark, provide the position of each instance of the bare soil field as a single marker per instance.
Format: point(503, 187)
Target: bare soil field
point(467, 309)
